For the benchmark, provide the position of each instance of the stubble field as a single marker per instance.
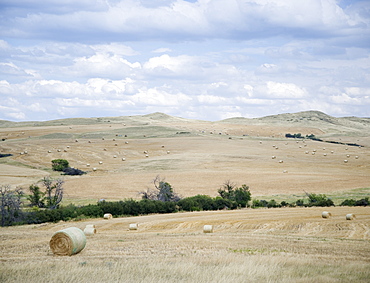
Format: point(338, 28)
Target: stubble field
point(195, 157)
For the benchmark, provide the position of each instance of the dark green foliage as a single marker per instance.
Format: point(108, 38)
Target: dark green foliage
point(240, 195)
point(319, 200)
point(37, 197)
point(352, 202)
point(259, 203)
point(299, 202)
point(272, 203)
point(59, 164)
point(73, 171)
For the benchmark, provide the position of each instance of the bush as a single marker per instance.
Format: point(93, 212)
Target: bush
point(240, 195)
point(319, 200)
point(59, 164)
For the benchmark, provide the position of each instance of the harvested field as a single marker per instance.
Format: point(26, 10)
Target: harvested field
point(275, 245)
point(195, 157)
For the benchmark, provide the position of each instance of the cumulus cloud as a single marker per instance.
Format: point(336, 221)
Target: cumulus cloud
point(208, 59)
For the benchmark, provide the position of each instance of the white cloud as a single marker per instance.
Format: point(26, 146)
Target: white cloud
point(155, 96)
point(285, 90)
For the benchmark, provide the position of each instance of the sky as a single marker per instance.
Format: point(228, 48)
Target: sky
point(205, 59)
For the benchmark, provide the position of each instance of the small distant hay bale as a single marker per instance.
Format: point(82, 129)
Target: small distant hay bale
point(348, 155)
point(105, 149)
point(356, 157)
point(273, 157)
point(285, 171)
point(133, 226)
point(332, 151)
point(58, 150)
point(145, 151)
point(76, 140)
point(68, 241)
point(65, 150)
point(325, 154)
point(89, 141)
point(208, 229)
point(116, 144)
point(87, 165)
point(108, 216)
point(350, 216)
point(345, 161)
point(114, 156)
point(126, 142)
point(68, 146)
point(306, 152)
point(123, 159)
point(168, 152)
point(326, 214)
point(281, 161)
point(100, 162)
point(102, 138)
point(146, 155)
point(94, 169)
point(49, 151)
point(114, 139)
point(313, 153)
point(90, 226)
point(88, 231)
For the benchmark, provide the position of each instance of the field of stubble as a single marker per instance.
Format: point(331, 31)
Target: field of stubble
point(263, 245)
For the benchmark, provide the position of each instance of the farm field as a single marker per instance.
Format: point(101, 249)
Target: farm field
point(249, 245)
point(195, 157)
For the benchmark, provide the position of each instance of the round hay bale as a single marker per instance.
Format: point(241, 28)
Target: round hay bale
point(94, 169)
point(68, 241)
point(356, 157)
point(345, 161)
point(350, 216)
point(273, 157)
point(100, 162)
point(123, 159)
point(133, 226)
point(90, 226)
point(208, 229)
point(168, 152)
point(281, 161)
point(88, 231)
point(326, 214)
point(108, 216)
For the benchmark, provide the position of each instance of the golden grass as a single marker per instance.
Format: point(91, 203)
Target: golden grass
point(264, 245)
point(277, 245)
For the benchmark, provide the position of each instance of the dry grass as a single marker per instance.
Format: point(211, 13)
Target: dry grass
point(277, 245)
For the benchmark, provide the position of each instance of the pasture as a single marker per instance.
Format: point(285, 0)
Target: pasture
point(195, 157)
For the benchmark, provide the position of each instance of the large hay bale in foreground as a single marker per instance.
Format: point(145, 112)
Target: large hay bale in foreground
point(350, 216)
point(108, 216)
point(208, 229)
point(68, 241)
point(326, 214)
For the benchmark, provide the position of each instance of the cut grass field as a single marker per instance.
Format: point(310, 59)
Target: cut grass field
point(261, 245)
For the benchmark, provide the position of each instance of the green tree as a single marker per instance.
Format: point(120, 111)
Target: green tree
point(37, 197)
point(231, 192)
point(59, 164)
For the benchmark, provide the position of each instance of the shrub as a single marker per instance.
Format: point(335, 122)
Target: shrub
point(59, 164)
point(240, 195)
